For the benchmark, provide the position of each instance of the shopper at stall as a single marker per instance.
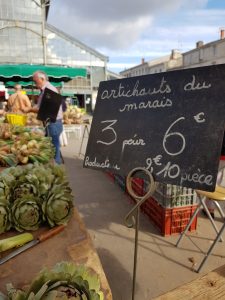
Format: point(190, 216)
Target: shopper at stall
point(18, 102)
point(53, 129)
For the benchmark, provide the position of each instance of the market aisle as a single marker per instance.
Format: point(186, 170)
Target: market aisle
point(162, 267)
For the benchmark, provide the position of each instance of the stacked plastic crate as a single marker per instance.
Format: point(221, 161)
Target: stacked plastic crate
point(169, 209)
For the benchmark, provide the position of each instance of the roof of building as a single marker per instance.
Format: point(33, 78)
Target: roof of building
point(149, 63)
point(113, 74)
point(159, 60)
point(205, 46)
point(76, 42)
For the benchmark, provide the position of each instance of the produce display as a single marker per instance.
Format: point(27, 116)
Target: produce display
point(21, 145)
point(73, 115)
point(33, 192)
point(32, 195)
point(32, 120)
point(64, 281)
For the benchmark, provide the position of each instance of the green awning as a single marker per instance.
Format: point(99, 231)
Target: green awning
point(29, 92)
point(25, 72)
point(27, 84)
point(67, 94)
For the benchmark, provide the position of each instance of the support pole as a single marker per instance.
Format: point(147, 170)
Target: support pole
point(133, 217)
point(83, 137)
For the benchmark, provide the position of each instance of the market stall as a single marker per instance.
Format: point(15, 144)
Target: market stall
point(73, 244)
point(35, 196)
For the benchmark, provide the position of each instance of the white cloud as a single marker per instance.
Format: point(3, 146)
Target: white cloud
point(112, 24)
point(123, 29)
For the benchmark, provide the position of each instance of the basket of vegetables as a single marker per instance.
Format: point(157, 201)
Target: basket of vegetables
point(16, 119)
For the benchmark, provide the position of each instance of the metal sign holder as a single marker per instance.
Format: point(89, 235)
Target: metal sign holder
point(86, 130)
point(132, 219)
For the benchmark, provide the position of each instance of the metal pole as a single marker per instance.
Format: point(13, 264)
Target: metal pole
point(132, 219)
point(43, 7)
point(82, 141)
point(135, 251)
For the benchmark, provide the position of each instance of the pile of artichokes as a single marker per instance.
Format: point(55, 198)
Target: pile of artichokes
point(32, 195)
point(64, 281)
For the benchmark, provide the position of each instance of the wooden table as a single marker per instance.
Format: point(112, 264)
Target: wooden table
point(210, 286)
point(73, 244)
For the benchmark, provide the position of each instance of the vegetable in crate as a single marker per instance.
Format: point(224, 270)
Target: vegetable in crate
point(64, 281)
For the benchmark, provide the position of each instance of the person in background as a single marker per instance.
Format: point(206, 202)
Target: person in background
point(53, 129)
point(17, 102)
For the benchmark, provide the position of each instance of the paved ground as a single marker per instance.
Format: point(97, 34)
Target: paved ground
point(161, 266)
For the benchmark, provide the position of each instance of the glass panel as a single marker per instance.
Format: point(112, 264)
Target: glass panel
point(21, 46)
point(20, 10)
point(68, 53)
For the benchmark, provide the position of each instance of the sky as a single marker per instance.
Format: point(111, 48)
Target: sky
point(128, 30)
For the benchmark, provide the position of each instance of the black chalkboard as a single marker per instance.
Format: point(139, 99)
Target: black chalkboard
point(50, 104)
point(170, 123)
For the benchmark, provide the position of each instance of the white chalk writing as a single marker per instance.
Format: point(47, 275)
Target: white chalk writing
point(136, 91)
point(169, 134)
point(133, 142)
point(110, 129)
point(102, 165)
point(199, 118)
point(197, 177)
point(150, 104)
point(192, 86)
point(157, 160)
point(170, 170)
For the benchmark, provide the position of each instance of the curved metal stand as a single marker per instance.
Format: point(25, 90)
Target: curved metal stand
point(86, 129)
point(132, 218)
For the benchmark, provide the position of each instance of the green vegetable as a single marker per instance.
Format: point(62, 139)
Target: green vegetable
point(33, 194)
point(26, 213)
point(23, 146)
point(15, 241)
point(57, 209)
point(64, 281)
point(5, 222)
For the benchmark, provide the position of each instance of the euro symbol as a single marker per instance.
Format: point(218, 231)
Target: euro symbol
point(157, 160)
point(199, 118)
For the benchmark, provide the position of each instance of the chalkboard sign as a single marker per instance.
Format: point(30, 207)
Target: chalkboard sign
point(50, 104)
point(170, 123)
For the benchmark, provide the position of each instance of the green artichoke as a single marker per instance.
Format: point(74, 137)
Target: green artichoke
point(33, 189)
point(6, 181)
point(5, 219)
point(58, 207)
point(26, 213)
point(64, 281)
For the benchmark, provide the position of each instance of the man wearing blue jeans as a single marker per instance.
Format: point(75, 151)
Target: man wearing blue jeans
point(53, 129)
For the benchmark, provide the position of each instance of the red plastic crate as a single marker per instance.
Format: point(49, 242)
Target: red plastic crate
point(138, 186)
point(110, 175)
point(169, 220)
